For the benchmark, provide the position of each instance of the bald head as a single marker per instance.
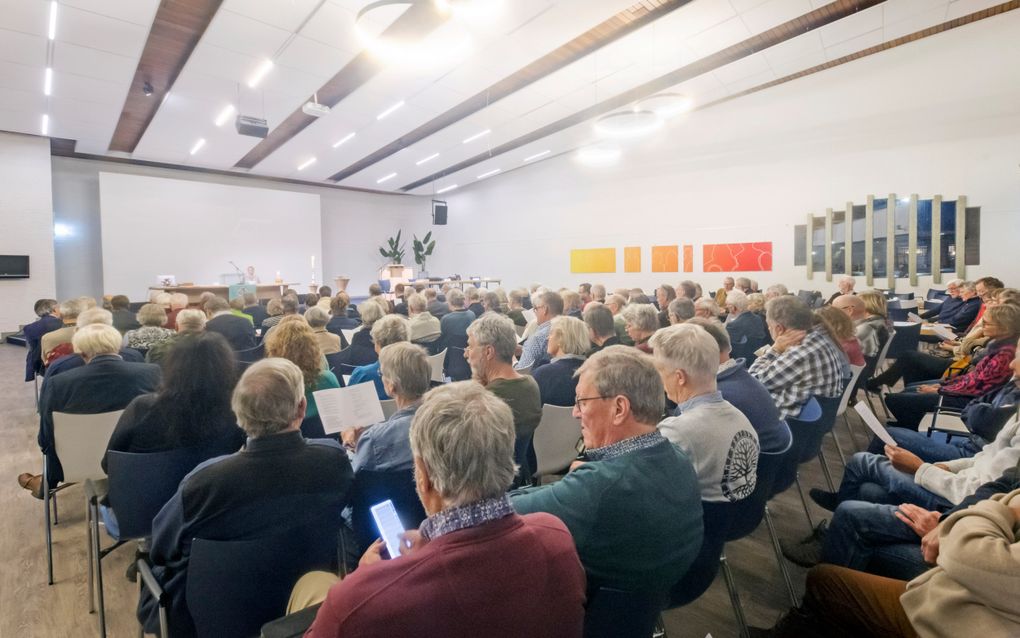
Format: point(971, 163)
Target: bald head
point(851, 305)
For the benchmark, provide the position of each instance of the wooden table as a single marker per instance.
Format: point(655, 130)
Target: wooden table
point(194, 292)
point(457, 283)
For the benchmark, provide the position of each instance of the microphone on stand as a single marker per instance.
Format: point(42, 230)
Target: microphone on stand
point(240, 274)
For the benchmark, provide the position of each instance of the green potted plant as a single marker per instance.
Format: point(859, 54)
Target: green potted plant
point(395, 253)
point(422, 250)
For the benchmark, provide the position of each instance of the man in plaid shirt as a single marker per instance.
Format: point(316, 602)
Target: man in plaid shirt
point(804, 361)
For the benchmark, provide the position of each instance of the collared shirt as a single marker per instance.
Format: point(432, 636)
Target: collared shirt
point(470, 515)
point(816, 366)
point(693, 402)
point(386, 446)
point(534, 349)
point(625, 446)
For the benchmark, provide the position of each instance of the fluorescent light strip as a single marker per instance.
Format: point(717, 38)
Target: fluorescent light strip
point(260, 73)
point(198, 146)
point(390, 110)
point(308, 162)
point(385, 178)
point(45, 124)
point(48, 81)
point(224, 115)
point(446, 189)
point(537, 155)
point(490, 173)
point(53, 20)
point(426, 159)
point(343, 139)
point(477, 135)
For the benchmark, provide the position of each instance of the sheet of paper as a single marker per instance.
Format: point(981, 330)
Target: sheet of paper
point(872, 422)
point(942, 331)
point(914, 318)
point(351, 407)
point(529, 315)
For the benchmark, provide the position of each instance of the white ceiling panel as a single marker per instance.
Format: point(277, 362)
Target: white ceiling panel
point(694, 18)
point(801, 46)
point(140, 12)
point(853, 45)
point(960, 8)
point(719, 37)
point(913, 22)
point(285, 14)
point(30, 101)
point(22, 48)
point(20, 77)
point(852, 26)
point(750, 81)
point(92, 63)
point(69, 85)
point(91, 113)
point(244, 35)
point(26, 16)
point(100, 32)
point(333, 26)
point(314, 58)
point(745, 67)
point(788, 66)
point(903, 9)
point(773, 13)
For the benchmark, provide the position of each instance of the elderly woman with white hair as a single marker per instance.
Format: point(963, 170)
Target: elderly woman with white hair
point(747, 332)
point(153, 319)
point(190, 322)
point(568, 345)
point(717, 437)
point(424, 328)
point(845, 286)
point(389, 329)
point(706, 308)
point(362, 351)
point(642, 321)
point(328, 342)
point(72, 359)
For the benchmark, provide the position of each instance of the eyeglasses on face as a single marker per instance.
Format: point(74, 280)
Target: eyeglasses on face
point(580, 400)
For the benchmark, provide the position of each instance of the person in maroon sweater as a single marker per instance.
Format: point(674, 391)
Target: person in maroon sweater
point(474, 567)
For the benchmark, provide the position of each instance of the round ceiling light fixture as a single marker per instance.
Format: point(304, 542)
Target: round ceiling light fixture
point(628, 124)
point(472, 11)
point(666, 105)
point(599, 154)
point(438, 47)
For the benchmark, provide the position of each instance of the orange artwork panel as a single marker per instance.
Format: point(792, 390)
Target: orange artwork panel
point(748, 257)
point(632, 259)
point(593, 260)
point(665, 258)
point(688, 258)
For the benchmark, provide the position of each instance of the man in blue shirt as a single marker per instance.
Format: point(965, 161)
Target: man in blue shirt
point(533, 352)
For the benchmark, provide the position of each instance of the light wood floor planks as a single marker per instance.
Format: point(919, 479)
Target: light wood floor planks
point(29, 608)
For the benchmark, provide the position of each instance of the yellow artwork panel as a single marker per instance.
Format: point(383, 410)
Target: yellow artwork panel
point(592, 260)
point(665, 258)
point(632, 259)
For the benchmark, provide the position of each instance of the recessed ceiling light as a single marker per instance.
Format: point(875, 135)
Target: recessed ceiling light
point(305, 164)
point(260, 72)
point(48, 81)
point(477, 136)
point(599, 154)
point(446, 189)
point(53, 20)
point(45, 124)
point(198, 146)
point(537, 155)
point(426, 159)
point(390, 110)
point(385, 178)
point(343, 139)
point(624, 124)
point(224, 115)
point(490, 173)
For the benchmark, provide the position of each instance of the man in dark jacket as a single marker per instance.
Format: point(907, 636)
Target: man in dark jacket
point(123, 318)
point(238, 331)
point(254, 309)
point(48, 311)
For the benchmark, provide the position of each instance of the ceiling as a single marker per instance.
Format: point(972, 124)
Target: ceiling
point(98, 44)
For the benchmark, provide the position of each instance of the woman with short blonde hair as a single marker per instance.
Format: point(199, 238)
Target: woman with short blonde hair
point(568, 346)
point(293, 339)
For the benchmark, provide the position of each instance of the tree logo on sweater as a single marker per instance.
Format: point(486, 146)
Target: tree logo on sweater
point(741, 470)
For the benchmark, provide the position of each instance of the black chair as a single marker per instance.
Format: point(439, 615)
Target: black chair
point(251, 355)
point(809, 429)
point(292, 625)
point(935, 294)
point(229, 595)
point(371, 488)
point(745, 349)
point(336, 363)
point(905, 339)
point(455, 365)
point(717, 518)
point(615, 613)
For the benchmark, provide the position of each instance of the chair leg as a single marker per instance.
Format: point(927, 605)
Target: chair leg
point(660, 628)
point(99, 573)
point(851, 430)
point(88, 551)
point(779, 559)
point(141, 627)
point(825, 470)
point(56, 516)
point(49, 530)
point(731, 587)
point(839, 448)
point(803, 501)
point(881, 399)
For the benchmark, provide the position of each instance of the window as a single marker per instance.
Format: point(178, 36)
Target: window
point(901, 256)
point(818, 244)
point(924, 237)
point(947, 237)
point(838, 242)
point(880, 217)
point(857, 235)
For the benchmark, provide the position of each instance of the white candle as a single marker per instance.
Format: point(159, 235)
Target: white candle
point(313, 262)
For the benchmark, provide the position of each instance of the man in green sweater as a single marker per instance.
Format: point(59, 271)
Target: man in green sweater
point(632, 505)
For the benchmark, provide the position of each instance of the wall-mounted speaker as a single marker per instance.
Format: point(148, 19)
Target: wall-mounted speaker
point(439, 209)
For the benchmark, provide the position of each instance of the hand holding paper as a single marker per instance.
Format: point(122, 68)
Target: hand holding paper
point(872, 422)
point(351, 407)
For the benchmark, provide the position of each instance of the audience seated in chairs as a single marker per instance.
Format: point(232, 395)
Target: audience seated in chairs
point(445, 582)
point(951, 302)
point(339, 319)
point(293, 339)
point(385, 447)
point(490, 350)
point(747, 333)
point(960, 317)
point(274, 310)
point(238, 331)
point(317, 319)
point(845, 286)
point(190, 322)
point(69, 311)
point(516, 308)
point(436, 307)
point(454, 324)
point(616, 303)
point(716, 436)
point(423, 328)
point(74, 360)
point(153, 330)
point(288, 305)
point(534, 351)
point(720, 295)
point(123, 318)
point(191, 408)
point(841, 330)
point(664, 295)
point(641, 321)
point(325, 298)
point(254, 309)
point(975, 338)
point(492, 303)
point(746, 393)
point(105, 383)
point(871, 329)
point(48, 312)
point(601, 327)
point(568, 346)
point(473, 300)
point(274, 484)
point(390, 329)
point(632, 505)
point(802, 362)
point(362, 350)
point(707, 309)
point(680, 310)
point(178, 302)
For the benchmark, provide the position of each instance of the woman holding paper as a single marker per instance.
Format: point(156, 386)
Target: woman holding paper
point(293, 339)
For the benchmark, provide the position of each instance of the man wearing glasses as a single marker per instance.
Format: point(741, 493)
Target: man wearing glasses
point(632, 503)
point(533, 352)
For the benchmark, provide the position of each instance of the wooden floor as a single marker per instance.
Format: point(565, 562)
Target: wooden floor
point(29, 608)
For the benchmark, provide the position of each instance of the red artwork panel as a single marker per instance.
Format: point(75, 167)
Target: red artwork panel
point(749, 257)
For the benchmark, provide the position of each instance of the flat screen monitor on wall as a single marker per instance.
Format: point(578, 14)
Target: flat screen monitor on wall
point(13, 266)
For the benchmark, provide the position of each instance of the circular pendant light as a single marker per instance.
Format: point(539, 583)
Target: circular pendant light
point(666, 105)
point(628, 124)
point(599, 154)
point(438, 47)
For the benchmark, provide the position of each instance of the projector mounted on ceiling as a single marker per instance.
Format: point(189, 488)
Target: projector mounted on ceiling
point(313, 108)
point(252, 126)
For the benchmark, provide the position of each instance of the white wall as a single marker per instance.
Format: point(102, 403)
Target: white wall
point(935, 117)
point(26, 225)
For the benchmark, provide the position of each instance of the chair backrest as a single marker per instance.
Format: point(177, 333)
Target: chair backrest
point(748, 512)
point(556, 439)
point(717, 518)
point(436, 363)
point(389, 406)
point(251, 355)
point(234, 587)
point(455, 365)
point(903, 340)
point(349, 334)
point(334, 361)
point(520, 331)
point(880, 361)
point(80, 442)
point(935, 294)
point(615, 613)
point(371, 488)
point(808, 433)
point(850, 388)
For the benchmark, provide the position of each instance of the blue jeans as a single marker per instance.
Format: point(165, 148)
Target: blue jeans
point(931, 450)
point(869, 538)
point(872, 478)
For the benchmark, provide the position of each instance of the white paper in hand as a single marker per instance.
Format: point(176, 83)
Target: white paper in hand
point(872, 422)
point(914, 318)
point(355, 406)
point(943, 332)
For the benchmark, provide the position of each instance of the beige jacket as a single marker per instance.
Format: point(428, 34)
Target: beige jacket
point(975, 588)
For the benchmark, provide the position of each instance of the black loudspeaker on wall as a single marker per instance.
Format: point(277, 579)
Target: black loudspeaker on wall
point(439, 212)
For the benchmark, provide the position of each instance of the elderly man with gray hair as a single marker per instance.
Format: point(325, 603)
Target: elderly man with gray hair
point(632, 505)
point(73, 359)
point(328, 342)
point(846, 285)
point(747, 332)
point(280, 481)
point(452, 577)
point(389, 329)
point(717, 437)
point(69, 311)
